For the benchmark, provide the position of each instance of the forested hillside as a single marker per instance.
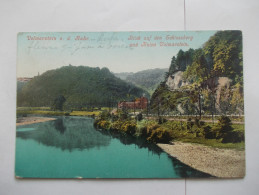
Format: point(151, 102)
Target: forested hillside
point(146, 79)
point(76, 87)
point(208, 80)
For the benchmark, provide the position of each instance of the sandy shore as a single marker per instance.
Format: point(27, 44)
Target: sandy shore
point(32, 120)
point(226, 163)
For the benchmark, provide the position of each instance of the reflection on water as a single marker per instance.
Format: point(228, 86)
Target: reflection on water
point(129, 140)
point(59, 125)
point(68, 133)
point(181, 169)
point(70, 146)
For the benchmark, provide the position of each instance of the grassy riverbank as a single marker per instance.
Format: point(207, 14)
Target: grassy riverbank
point(222, 134)
point(23, 111)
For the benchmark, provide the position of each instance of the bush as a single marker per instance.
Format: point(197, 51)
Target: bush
point(104, 124)
point(129, 127)
point(96, 121)
point(197, 122)
point(209, 133)
point(161, 120)
point(233, 136)
point(224, 129)
point(105, 115)
point(124, 115)
point(147, 130)
point(160, 135)
point(189, 124)
point(202, 123)
point(139, 117)
point(116, 125)
point(114, 117)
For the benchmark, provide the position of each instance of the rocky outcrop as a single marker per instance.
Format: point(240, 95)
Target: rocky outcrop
point(176, 81)
point(219, 86)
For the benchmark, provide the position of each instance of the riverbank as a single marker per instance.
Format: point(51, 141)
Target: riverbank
point(32, 120)
point(224, 163)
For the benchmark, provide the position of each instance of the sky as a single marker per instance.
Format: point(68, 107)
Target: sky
point(118, 51)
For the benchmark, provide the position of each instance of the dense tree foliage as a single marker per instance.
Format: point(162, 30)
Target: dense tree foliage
point(220, 57)
point(59, 103)
point(181, 61)
point(146, 79)
point(223, 52)
point(81, 87)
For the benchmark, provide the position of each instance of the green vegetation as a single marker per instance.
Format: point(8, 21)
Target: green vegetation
point(214, 77)
point(80, 86)
point(222, 134)
point(146, 79)
point(213, 143)
point(151, 132)
point(23, 111)
point(85, 113)
point(41, 112)
point(213, 90)
point(59, 103)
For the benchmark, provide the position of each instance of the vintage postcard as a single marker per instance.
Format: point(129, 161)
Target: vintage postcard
point(130, 105)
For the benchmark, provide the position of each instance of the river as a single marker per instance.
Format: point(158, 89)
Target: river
point(70, 147)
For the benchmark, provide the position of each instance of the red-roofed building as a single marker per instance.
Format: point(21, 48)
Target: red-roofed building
point(139, 103)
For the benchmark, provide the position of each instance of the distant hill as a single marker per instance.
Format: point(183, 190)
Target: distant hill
point(20, 85)
point(146, 79)
point(123, 75)
point(81, 86)
point(21, 81)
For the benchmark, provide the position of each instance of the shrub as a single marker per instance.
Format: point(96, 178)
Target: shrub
point(189, 124)
point(104, 124)
point(161, 120)
point(202, 123)
point(139, 117)
point(129, 127)
point(124, 115)
point(224, 123)
point(114, 117)
point(233, 136)
point(197, 122)
point(160, 135)
point(96, 121)
point(116, 125)
point(143, 131)
point(147, 130)
point(105, 115)
point(209, 133)
point(223, 128)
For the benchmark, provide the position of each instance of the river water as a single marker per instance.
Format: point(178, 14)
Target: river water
point(70, 147)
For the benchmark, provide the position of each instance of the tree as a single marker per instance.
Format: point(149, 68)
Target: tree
point(223, 52)
point(210, 101)
point(58, 103)
point(237, 99)
point(198, 70)
point(186, 104)
point(173, 66)
point(180, 60)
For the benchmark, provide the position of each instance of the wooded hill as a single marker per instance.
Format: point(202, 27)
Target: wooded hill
point(146, 79)
point(205, 80)
point(78, 87)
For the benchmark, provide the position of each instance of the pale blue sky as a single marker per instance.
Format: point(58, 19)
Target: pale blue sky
point(109, 49)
